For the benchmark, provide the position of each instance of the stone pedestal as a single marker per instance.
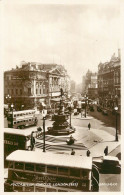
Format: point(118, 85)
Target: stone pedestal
point(61, 125)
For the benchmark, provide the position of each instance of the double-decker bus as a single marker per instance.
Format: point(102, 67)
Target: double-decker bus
point(21, 119)
point(36, 171)
point(15, 139)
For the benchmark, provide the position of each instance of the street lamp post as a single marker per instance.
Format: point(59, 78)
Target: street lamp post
point(12, 113)
point(70, 110)
point(8, 97)
point(70, 116)
point(44, 113)
point(86, 98)
point(116, 135)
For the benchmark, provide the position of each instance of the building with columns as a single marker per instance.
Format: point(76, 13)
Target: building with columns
point(35, 83)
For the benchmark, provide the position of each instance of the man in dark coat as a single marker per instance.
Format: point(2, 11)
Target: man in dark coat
point(73, 152)
point(89, 126)
point(88, 153)
point(106, 151)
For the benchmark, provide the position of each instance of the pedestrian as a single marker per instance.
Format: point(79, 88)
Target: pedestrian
point(106, 151)
point(88, 153)
point(89, 126)
point(72, 152)
point(32, 142)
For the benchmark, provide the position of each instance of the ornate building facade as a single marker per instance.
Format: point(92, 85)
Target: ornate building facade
point(34, 83)
point(93, 87)
point(109, 82)
point(89, 85)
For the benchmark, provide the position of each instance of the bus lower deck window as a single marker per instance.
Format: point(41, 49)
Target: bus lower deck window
point(29, 167)
point(40, 168)
point(62, 171)
point(19, 165)
point(75, 172)
point(51, 169)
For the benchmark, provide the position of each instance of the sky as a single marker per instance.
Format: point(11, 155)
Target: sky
point(76, 36)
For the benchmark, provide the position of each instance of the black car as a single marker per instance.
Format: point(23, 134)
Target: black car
point(108, 164)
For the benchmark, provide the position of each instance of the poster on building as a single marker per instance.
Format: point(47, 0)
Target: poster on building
point(62, 100)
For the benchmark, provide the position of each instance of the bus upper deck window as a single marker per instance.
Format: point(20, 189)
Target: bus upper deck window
point(62, 171)
point(14, 115)
point(84, 173)
point(29, 167)
point(19, 165)
point(18, 121)
point(52, 169)
point(75, 172)
point(40, 168)
point(20, 114)
point(10, 164)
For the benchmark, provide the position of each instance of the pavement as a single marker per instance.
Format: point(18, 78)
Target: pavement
point(95, 140)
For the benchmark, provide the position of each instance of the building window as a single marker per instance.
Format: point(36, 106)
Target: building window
point(20, 91)
point(36, 91)
point(12, 91)
point(8, 91)
point(29, 91)
point(16, 91)
point(40, 91)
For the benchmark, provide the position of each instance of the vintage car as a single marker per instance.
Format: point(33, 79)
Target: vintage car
point(108, 164)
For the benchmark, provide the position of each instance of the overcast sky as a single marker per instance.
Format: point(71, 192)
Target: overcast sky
point(77, 36)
